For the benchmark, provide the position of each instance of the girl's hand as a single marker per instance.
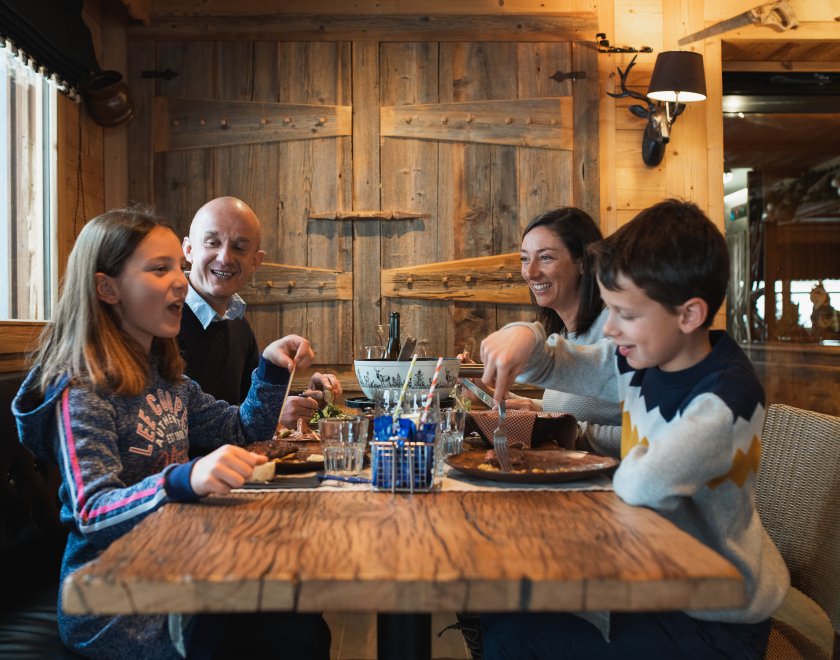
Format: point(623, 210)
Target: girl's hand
point(225, 468)
point(290, 352)
point(504, 354)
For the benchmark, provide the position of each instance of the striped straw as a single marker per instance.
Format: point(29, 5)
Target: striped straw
point(431, 391)
point(398, 408)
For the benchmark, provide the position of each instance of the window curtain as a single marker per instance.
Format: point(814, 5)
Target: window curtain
point(53, 35)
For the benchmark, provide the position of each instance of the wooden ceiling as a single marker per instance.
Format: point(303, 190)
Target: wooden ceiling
point(781, 144)
point(781, 55)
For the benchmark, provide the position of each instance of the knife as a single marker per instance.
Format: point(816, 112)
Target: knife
point(485, 398)
point(471, 370)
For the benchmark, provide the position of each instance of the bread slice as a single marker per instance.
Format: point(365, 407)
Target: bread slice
point(264, 472)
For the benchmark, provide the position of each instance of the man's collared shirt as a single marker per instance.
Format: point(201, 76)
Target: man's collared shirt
point(206, 314)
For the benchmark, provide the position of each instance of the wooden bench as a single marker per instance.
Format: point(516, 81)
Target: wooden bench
point(31, 543)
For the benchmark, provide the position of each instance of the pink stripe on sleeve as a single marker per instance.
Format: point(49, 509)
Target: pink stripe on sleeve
point(125, 501)
point(71, 446)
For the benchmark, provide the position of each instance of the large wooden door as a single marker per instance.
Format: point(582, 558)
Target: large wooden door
point(364, 157)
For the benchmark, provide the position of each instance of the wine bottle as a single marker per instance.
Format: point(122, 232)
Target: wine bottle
point(393, 348)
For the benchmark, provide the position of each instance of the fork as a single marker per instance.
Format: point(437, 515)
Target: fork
point(500, 443)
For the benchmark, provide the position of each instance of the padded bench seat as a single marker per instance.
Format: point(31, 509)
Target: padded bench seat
point(31, 543)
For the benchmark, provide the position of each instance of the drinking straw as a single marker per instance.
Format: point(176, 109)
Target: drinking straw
point(431, 391)
point(288, 387)
point(396, 414)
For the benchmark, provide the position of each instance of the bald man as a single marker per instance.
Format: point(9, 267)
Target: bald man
point(223, 250)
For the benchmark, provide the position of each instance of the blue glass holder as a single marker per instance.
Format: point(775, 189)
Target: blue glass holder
point(402, 456)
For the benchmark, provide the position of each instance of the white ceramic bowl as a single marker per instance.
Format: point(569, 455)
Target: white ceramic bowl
point(377, 374)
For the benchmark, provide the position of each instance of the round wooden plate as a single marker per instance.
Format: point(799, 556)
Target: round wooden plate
point(540, 466)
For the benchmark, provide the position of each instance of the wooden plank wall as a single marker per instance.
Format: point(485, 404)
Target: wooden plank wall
point(456, 190)
point(283, 182)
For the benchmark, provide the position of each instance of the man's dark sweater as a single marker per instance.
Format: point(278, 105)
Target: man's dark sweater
point(220, 358)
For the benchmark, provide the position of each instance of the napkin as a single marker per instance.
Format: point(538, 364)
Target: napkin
point(526, 428)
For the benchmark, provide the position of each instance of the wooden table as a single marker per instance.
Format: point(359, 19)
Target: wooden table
point(312, 551)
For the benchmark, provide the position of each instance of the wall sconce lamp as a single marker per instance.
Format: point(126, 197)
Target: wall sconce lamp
point(677, 79)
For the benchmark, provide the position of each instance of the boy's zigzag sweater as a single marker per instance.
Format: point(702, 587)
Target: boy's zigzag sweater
point(690, 449)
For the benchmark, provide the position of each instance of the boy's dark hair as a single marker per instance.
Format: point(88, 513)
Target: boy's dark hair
point(577, 230)
point(671, 251)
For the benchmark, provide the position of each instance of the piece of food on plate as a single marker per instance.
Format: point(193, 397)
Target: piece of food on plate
point(302, 457)
point(517, 459)
point(329, 410)
point(264, 472)
point(274, 448)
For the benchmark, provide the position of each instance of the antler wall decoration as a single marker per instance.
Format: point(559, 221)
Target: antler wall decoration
point(658, 130)
point(677, 79)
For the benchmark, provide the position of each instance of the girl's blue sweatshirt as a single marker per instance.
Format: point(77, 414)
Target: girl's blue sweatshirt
point(123, 457)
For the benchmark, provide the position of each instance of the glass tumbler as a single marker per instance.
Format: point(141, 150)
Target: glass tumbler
point(451, 439)
point(343, 442)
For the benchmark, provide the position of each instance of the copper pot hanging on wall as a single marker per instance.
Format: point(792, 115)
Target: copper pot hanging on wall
point(107, 98)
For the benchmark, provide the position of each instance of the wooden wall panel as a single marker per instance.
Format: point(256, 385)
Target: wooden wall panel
point(452, 210)
point(489, 177)
point(312, 177)
point(545, 176)
point(140, 165)
point(586, 177)
point(248, 72)
point(473, 199)
point(183, 181)
point(686, 159)
point(367, 257)
point(409, 75)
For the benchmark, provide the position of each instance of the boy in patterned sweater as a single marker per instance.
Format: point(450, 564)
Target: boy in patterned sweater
point(693, 412)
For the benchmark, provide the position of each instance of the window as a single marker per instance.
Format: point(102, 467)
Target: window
point(28, 159)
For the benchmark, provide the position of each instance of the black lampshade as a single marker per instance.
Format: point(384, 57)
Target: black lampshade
point(678, 72)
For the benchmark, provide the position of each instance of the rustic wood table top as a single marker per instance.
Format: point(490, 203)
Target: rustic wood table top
point(314, 551)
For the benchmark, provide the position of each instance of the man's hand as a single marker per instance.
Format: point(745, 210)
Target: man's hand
point(504, 354)
point(225, 468)
point(298, 407)
point(290, 352)
point(325, 383)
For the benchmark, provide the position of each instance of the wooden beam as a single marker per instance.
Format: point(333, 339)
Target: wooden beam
point(179, 8)
point(202, 123)
point(367, 215)
point(281, 283)
point(20, 338)
point(559, 26)
point(495, 279)
point(782, 66)
point(545, 122)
